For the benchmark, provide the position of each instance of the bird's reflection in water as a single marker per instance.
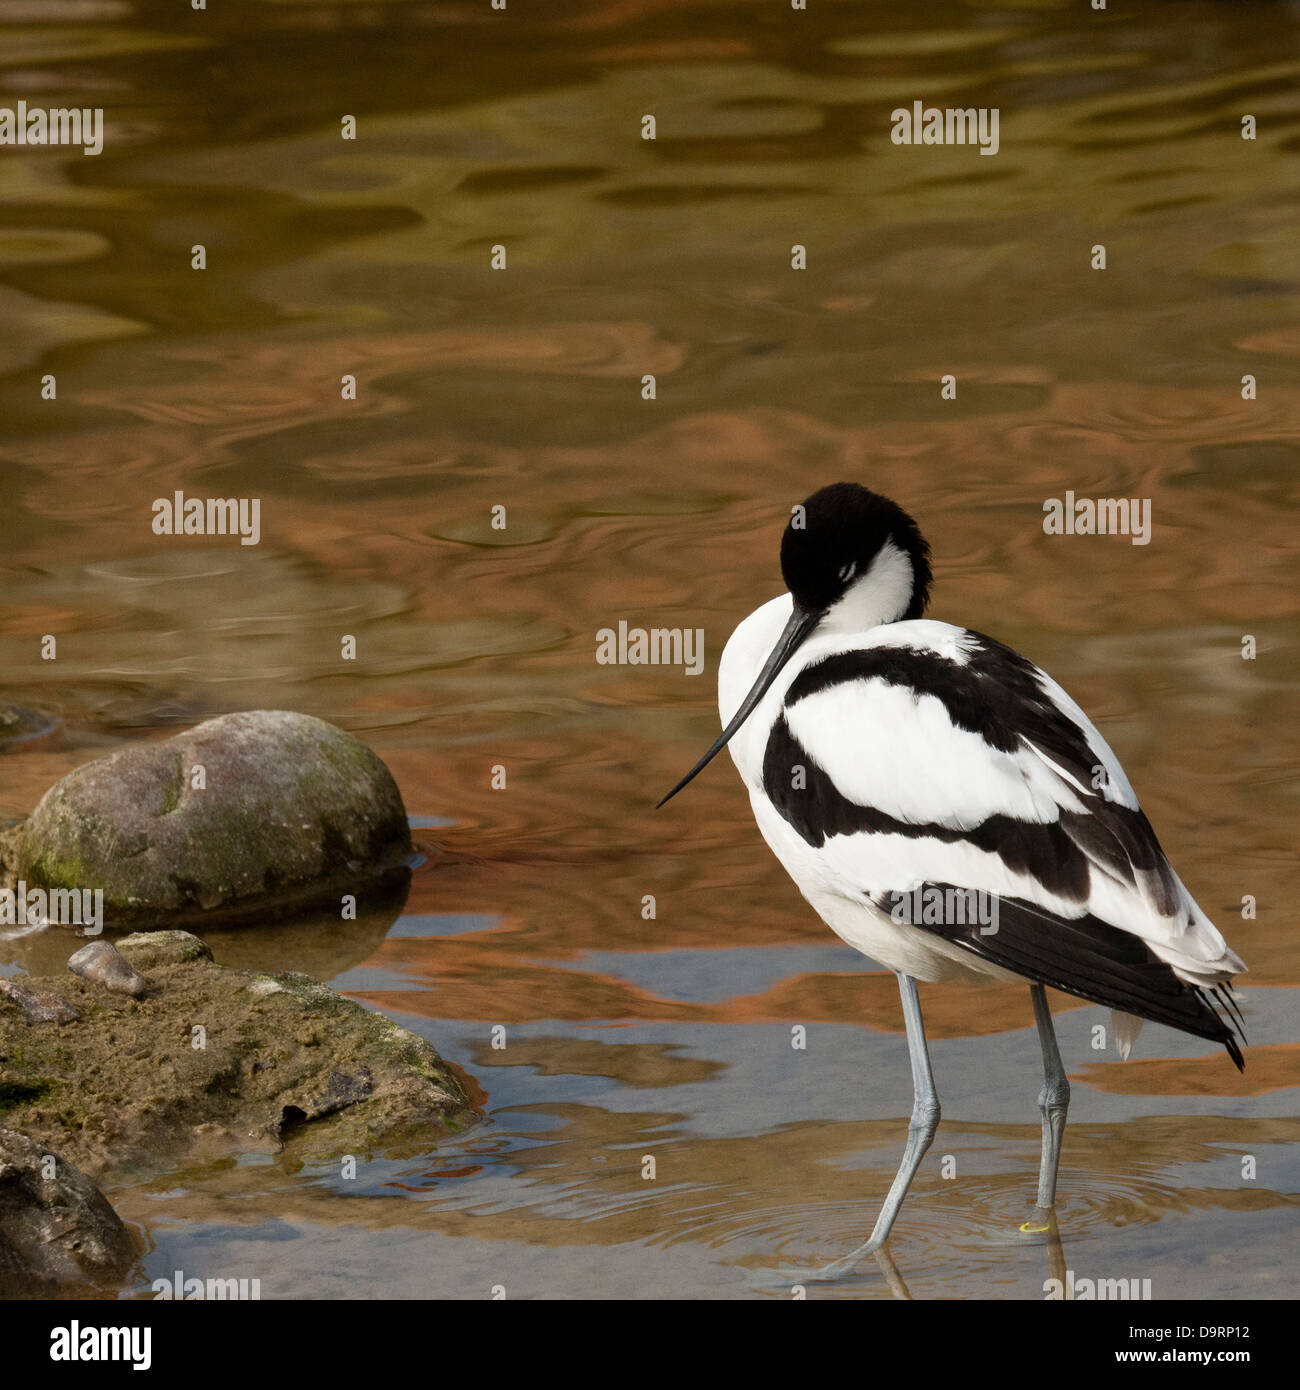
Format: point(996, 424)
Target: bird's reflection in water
point(1042, 1224)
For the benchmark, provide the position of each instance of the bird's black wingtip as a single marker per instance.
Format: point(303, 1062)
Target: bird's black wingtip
point(1220, 1005)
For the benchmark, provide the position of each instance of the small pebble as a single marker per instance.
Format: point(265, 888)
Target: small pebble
point(39, 1006)
point(101, 963)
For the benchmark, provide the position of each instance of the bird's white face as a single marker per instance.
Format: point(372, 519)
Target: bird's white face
point(881, 595)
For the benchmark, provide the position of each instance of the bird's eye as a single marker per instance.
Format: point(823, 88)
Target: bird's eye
point(848, 571)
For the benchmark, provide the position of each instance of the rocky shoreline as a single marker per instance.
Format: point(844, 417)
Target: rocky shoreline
point(158, 1055)
point(147, 1053)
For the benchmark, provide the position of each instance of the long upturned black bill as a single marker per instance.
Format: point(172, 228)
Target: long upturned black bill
point(799, 626)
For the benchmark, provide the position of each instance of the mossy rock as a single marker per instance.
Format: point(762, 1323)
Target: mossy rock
point(213, 1062)
point(288, 805)
point(148, 950)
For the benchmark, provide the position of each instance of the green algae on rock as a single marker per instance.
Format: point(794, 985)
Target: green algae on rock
point(226, 819)
point(146, 950)
point(212, 1062)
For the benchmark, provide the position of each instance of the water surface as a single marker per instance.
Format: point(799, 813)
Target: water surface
point(671, 1038)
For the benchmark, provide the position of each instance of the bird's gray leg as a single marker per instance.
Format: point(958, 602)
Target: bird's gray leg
point(924, 1122)
point(920, 1131)
point(1053, 1099)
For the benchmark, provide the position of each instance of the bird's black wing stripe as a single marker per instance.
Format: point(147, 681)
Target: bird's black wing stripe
point(806, 797)
point(1052, 732)
point(993, 693)
point(1122, 841)
point(996, 694)
point(1083, 956)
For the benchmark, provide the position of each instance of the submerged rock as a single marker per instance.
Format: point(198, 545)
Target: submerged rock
point(17, 724)
point(236, 816)
point(214, 1061)
point(38, 1007)
point(100, 963)
point(56, 1228)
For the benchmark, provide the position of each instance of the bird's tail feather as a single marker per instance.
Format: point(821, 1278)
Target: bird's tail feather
point(1092, 960)
point(1126, 1028)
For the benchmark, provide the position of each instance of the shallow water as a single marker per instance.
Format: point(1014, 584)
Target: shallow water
point(476, 647)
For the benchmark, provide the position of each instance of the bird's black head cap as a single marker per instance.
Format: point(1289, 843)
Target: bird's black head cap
point(832, 538)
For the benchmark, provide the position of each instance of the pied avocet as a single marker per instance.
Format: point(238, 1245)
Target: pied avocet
point(950, 811)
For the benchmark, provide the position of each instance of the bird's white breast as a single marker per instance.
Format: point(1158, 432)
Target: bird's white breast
point(746, 650)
